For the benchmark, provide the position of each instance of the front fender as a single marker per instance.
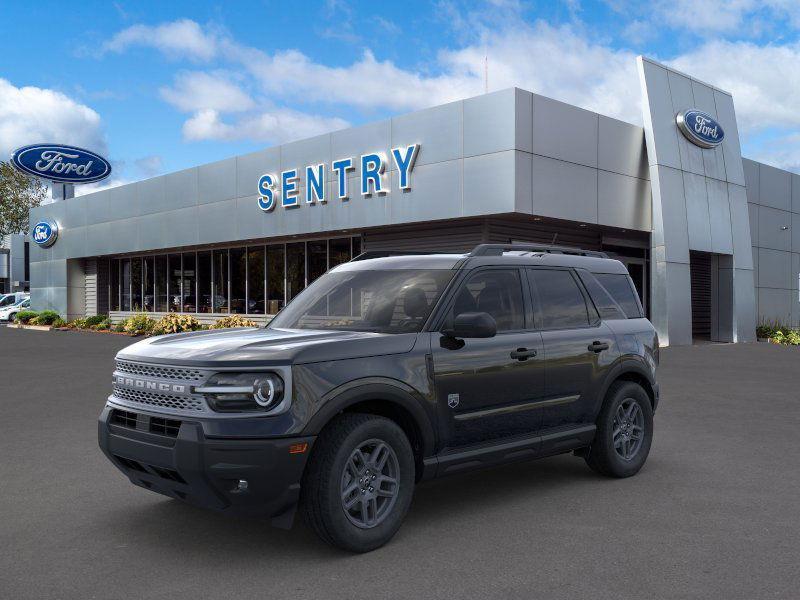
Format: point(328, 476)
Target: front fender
point(371, 389)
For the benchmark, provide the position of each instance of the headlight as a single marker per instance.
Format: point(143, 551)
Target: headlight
point(229, 392)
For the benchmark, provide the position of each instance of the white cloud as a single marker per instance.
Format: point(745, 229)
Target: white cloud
point(278, 125)
point(30, 114)
point(198, 90)
point(764, 80)
point(181, 38)
point(150, 166)
point(562, 62)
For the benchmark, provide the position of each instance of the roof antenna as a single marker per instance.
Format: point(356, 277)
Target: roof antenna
point(555, 237)
point(486, 73)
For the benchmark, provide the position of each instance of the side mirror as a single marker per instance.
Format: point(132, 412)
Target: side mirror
point(472, 325)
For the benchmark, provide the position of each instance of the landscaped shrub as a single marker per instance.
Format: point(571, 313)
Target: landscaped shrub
point(46, 317)
point(234, 321)
point(138, 324)
point(175, 323)
point(103, 325)
point(90, 322)
point(779, 333)
point(24, 316)
point(59, 322)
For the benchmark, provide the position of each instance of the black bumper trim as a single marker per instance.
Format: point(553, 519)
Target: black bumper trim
point(206, 471)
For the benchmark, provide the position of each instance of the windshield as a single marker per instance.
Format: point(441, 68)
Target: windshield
point(390, 301)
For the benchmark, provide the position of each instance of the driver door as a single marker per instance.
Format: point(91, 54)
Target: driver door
point(483, 392)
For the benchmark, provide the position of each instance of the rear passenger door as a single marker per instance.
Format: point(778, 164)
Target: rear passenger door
point(578, 347)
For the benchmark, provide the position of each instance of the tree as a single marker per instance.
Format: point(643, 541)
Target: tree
point(18, 194)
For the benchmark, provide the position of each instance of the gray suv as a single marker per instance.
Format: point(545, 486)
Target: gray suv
point(387, 371)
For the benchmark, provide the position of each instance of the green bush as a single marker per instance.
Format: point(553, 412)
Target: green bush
point(103, 325)
point(59, 322)
point(138, 324)
point(94, 320)
point(234, 321)
point(119, 327)
point(779, 333)
point(176, 323)
point(46, 317)
point(24, 316)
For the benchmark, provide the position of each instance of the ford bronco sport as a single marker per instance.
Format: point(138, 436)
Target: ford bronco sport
point(387, 371)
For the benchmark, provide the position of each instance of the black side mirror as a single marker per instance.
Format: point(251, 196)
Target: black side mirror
point(472, 325)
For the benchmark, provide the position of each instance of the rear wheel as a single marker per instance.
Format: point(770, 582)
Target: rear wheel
point(624, 431)
point(359, 482)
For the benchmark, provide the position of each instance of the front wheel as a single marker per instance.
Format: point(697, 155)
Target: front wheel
point(624, 432)
point(359, 482)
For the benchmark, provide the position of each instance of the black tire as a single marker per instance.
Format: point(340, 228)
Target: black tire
point(321, 497)
point(603, 457)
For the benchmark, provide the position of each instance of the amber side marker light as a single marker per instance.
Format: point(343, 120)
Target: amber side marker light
point(298, 448)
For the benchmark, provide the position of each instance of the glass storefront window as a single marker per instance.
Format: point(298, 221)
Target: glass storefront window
point(317, 259)
point(219, 292)
point(161, 283)
point(113, 296)
point(126, 284)
point(147, 283)
point(204, 282)
point(174, 283)
point(189, 279)
point(339, 250)
point(255, 280)
point(238, 280)
point(276, 271)
point(136, 284)
point(295, 269)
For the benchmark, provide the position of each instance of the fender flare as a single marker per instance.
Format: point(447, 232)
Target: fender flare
point(375, 389)
point(624, 367)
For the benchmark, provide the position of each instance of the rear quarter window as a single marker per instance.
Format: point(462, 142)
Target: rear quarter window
point(621, 289)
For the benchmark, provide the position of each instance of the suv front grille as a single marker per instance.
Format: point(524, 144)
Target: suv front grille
point(124, 366)
point(163, 400)
point(161, 426)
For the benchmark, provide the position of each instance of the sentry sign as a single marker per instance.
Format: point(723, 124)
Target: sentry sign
point(284, 189)
point(64, 164)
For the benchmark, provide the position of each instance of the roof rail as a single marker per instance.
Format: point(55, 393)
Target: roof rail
point(499, 249)
point(384, 253)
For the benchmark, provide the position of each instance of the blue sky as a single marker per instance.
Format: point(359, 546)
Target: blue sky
point(159, 86)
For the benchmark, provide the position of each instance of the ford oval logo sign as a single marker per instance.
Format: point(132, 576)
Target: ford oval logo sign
point(700, 128)
point(44, 233)
point(65, 164)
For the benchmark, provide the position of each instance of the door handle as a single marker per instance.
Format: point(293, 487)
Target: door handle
point(598, 346)
point(522, 353)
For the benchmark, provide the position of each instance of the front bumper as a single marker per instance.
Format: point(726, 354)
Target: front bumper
point(175, 458)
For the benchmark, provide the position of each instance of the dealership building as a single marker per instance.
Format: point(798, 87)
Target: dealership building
point(711, 240)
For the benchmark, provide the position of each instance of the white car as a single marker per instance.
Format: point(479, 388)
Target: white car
point(13, 298)
point(7, 313)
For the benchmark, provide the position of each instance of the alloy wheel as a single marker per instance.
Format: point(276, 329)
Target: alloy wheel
point(370, 483)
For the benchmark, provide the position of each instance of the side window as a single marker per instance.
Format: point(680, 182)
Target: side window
point(497, 292)
point(608, 307)
point(561, 302)
point(621, 290)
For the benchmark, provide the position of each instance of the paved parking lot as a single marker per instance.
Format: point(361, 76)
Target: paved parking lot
point(714, 513)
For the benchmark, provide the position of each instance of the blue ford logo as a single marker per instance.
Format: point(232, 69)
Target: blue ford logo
point(700, 128)
point(44, 233)
point(65, 164)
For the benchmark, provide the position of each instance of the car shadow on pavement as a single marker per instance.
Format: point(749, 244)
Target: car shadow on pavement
point(166, 523)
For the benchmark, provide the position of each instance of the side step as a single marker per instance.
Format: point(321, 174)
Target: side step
point(526, 448)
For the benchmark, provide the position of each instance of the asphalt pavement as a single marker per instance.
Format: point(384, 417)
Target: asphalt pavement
point(715, 513)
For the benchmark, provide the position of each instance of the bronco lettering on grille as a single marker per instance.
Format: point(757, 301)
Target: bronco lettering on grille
point(144, 384)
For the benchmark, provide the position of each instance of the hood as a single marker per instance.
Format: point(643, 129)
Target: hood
point(257, 346)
